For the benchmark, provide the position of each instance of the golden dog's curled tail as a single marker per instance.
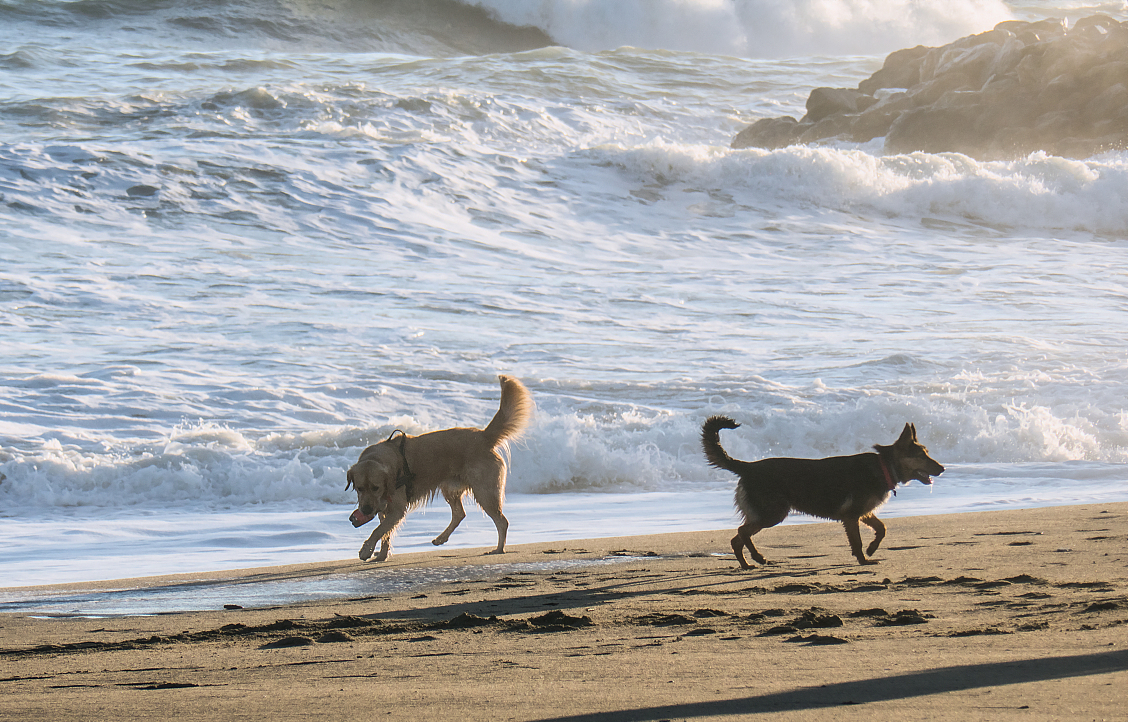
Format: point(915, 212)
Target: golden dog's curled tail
point(711, 443)
point(513, 414)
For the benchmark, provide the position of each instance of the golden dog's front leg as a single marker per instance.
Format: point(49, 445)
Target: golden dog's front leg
point(368, 547)
point(382, 534)
point(385, 548)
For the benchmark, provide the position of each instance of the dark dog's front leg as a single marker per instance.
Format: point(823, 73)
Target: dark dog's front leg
point(878, 529)
point(854, 534)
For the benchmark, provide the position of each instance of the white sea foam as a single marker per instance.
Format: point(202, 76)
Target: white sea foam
point(752, 28)
point(76, 547)
point(1040, 191)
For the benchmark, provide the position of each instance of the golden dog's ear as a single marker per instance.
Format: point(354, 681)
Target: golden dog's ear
point(348, 480)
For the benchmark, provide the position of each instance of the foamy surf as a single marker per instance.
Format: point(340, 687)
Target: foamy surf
point(751, 28)
point(83, 545)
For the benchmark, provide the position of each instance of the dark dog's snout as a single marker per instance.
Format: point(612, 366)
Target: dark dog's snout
point(936, 469)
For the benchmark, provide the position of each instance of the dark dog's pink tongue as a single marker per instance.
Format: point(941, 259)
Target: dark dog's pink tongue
point(359, 519)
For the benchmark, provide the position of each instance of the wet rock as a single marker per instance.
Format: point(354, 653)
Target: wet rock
point(1019, 88)
point(901, 70)
point(823, 102)
point(935, 130)
point(769, 133)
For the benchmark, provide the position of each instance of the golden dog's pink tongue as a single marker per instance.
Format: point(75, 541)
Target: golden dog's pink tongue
point(359, 519)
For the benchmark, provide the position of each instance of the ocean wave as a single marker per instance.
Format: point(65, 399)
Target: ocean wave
point(452, 144)
point(751, 28)
point(589, 442)
point(748, 28)
point(1036, 192)
point(413, 27)
point(442, 28)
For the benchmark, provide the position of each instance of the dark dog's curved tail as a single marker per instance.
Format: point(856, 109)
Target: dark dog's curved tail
point(513, 414)
point(711, 443)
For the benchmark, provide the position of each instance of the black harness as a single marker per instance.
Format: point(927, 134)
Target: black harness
point(406, 476)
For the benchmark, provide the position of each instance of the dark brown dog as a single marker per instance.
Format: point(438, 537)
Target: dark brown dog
point(405, 472)
point(846, 488)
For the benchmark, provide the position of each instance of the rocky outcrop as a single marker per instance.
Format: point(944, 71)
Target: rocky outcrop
point(1016, 89)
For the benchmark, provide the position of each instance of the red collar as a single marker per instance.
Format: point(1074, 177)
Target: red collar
point(888, 477)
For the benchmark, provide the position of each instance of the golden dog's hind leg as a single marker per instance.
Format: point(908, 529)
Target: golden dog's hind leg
point(490, 501)
point(878, 529)
point(457, 514)
point(502, 525)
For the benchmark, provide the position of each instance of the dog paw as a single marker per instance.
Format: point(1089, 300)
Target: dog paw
point(438, 541)
point(867, 562)
point(366, 552)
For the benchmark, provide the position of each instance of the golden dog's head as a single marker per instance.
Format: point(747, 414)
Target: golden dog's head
point(375, 482)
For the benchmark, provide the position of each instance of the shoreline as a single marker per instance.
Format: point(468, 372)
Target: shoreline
point(98, 549)
point(1000, 614)
point(442, 564)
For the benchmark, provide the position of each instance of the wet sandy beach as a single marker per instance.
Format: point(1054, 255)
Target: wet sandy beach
point(994, 615)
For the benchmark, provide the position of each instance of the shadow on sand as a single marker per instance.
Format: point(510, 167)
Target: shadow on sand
point(904, 686)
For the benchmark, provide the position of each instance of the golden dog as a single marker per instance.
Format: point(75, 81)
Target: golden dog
point(405, 472)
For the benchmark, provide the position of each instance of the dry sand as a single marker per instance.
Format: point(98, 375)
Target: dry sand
point(995, 615)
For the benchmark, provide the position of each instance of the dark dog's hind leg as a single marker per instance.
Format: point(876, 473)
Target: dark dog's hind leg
point(855, 537)
point(756, 518)
point(743, 539)
point(878, 529)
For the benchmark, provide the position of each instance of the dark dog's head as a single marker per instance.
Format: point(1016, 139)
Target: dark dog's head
point(374, 482)
point(912, 459)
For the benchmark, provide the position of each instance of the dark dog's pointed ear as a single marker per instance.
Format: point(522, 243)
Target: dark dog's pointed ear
point(348, 479)
point(908, 435)
point(913, 427)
